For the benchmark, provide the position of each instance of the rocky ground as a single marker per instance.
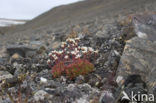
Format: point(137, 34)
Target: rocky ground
point(125, 63)
point(26, 76)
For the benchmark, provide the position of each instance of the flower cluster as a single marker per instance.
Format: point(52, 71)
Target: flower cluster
point(71, 59)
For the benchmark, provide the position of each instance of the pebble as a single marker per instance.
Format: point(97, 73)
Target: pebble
point(40, 95)
point(119, 79)
point(106, 97)
point(116, 53)
point(43, 80)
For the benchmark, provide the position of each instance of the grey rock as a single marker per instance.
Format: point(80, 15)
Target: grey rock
point(3, 52)
point(80, 79)
point(103, 34)
point(106, 97)
point(139, 58)
point(72, 93)
point(63, 79)
point(22, 50)
point(2, 67)
point(145, 26)
point(40, 95)
point(18, 68)
point(5, 75)
point(53, 84)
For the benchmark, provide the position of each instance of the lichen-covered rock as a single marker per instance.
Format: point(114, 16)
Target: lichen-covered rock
point(137, 68)
point(138, 59)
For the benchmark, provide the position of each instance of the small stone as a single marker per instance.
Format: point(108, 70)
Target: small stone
point(116, 53)
point(41, 50)
point(141, 35)
point(15, 56)
point(43, 80)
point(106, 97)
point(97, 84)
point(119, 79)
point(63, 79)
point(80, 79)
point(40, 95)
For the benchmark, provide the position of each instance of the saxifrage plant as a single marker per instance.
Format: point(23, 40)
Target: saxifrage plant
point(72, 59)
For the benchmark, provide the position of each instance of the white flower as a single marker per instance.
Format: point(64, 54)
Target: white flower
point(60, 52)
point(70, 40)
point(96, 51)
point(75, 43)
point(77, 38)
point(76, 49)
point(56, 58)
point(90, 49)
point(50, 54)
point(66, 57)
point(73, 52)
point(62, 45)
point(78, 56)
point(67, 39)
point(48, 61)
point(84, 48)
point(54, 51)
point(67, 52)
point(79, 47)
